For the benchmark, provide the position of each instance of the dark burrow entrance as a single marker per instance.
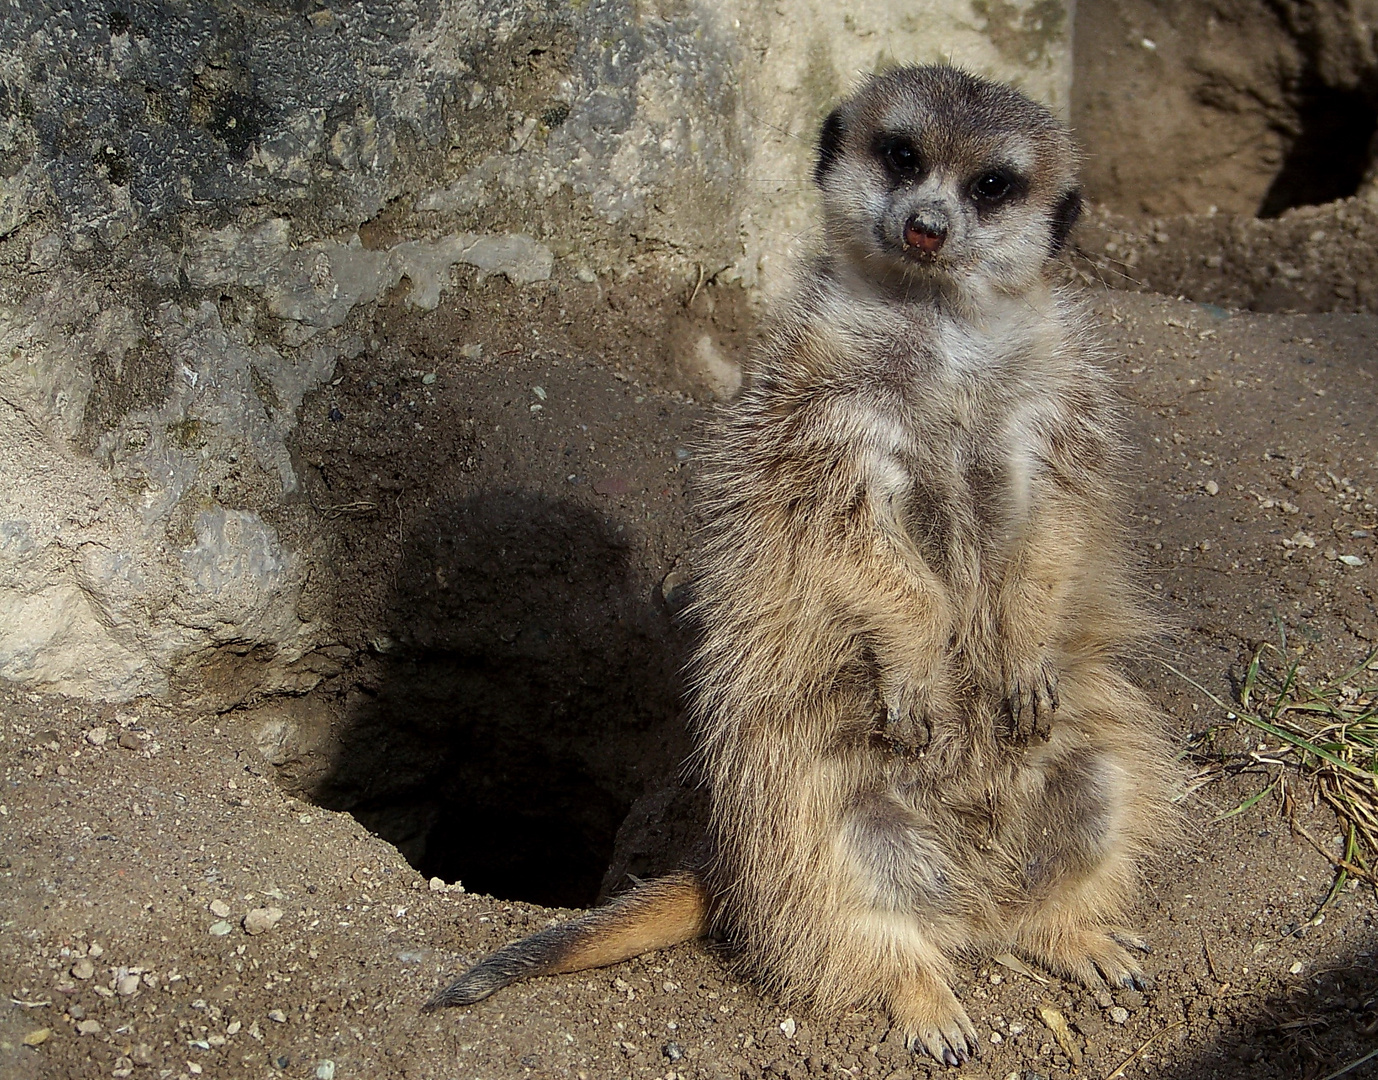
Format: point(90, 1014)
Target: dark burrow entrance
point(525, 688)
point(1242, 107)
point(1329, 151)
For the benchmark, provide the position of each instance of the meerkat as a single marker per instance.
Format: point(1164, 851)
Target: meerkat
point(916, 739)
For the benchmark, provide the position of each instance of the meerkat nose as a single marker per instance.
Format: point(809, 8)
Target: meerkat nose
point(926, 231)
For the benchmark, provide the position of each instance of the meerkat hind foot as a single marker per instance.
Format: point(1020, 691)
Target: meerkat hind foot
point(934, 1021)
point(1096, 958)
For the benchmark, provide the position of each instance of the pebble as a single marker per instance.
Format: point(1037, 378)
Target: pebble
point(673, 1051)
point(1119, 1015)
point(1351, 560)
point(220, 929)
point(788, 1027)
point(261, 920)
point(325, 1070)
point(220, 909)
point(126, 985)
point(37, 1037)
point(97, 736)
point(437, 884)
point(277, 1016)
point(88, 1027)
point(83, 969)
point(94, 950)
point(1212, 488)
point(130, 741)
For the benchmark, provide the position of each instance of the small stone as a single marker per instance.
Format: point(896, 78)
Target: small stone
point(1119, 1015)
point(126, 985)
point(1351, 560)
point(1212, 488)
point(97, 736)
point(1360, 534)
point(83, 969)
point(277, 1016)
point(325, 1070)
point(788, 1027)
point(1295, 969)
point(1330, 554)
point(76, 1012)
point(261, 920)
point(220, 909)
point(233, 1028)
point(673, 1051)
point(130, 741)
point(587, 276)
point(88, 1027)
point(473, 351)
point(1103, 999)
point(94, 950)
point(220, 929)
point(437, 884)
point(428, 379)
point(37, 1037)
point(142, 1054)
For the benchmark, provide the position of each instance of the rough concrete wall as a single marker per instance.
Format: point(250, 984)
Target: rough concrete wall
point(198, 199)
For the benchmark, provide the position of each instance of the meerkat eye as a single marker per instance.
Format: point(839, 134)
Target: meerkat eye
point(899, 154)
point(992, 188)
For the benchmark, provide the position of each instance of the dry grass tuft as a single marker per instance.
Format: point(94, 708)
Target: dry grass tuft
point(1329, 734)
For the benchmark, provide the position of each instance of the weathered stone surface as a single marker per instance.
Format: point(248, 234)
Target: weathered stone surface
point(199, 202)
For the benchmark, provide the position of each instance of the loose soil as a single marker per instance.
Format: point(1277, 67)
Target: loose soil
point(496, 517)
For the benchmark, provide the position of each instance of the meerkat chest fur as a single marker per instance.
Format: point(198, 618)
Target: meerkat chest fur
point(958, 416)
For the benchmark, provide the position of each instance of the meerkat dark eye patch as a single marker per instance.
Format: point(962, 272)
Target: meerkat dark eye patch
point(899, 155)
point(996, 186)
point(1065, 215)
point(829, 145)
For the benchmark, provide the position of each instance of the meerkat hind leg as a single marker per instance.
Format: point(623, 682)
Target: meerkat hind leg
point(1084, 874)
point(906, 888)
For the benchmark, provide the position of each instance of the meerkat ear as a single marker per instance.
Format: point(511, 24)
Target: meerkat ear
point(1065, 215)
point(829, 145)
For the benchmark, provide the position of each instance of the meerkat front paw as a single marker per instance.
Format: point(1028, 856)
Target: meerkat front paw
point(1030, 698)
point(905, 728)
point(908, 718)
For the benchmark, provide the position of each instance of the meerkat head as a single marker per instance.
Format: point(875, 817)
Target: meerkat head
point(929, 173)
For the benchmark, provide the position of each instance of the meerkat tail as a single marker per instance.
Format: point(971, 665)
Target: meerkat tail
point(655, 915)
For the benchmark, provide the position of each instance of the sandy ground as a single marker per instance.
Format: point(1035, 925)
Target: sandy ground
point(170, 910)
